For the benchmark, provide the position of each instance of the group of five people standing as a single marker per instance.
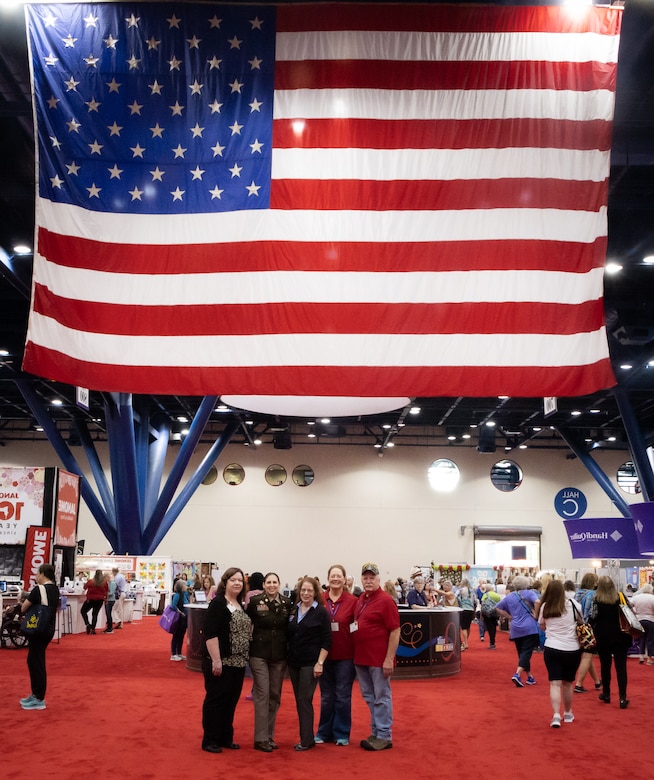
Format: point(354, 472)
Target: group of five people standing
point(324, 638)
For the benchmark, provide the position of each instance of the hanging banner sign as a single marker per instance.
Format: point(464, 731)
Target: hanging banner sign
point(21, 502)
point(570, 503)
point(66, 509)
point(37, 551)
point(602, 537)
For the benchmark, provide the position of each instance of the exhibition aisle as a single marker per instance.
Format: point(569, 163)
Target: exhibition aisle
point(118, 707)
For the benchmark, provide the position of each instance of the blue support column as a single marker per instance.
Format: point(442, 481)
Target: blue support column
point(636, 443)
point(119, 418)
point(600, 477)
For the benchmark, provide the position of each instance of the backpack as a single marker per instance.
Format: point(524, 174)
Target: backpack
point(488, 606)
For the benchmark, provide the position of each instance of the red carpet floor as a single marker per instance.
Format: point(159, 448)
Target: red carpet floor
point(117, 707)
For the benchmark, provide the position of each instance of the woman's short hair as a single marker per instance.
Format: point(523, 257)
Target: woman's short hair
point(255, 581)
point(47, 570)
point(520, 583)
point(647, 588)
point(338, 566)
point(227, 575)
point(418, 580)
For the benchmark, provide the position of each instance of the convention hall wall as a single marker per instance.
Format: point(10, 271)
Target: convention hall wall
point(360, 507)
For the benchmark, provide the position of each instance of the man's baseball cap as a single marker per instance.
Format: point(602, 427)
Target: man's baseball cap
point(372, 567)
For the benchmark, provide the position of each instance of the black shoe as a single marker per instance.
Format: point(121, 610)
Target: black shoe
point(605, 699)
point(232, 746)
point(88, 629)
point(273, 744)
point(264, 747)
point(93, 631)
point(211, 748)
point(299, 747)
point(624, 703)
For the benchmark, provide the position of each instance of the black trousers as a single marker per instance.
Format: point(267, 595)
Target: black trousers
point(87, 606)
point(221, 698)
point(36, 665)
point(304, 684)
point(619, 655)
point(490, 621)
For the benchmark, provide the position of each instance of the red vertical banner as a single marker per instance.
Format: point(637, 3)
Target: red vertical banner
point(37, 551)
point(65, 534)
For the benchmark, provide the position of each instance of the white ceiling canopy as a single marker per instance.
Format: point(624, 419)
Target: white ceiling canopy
point(313, 405)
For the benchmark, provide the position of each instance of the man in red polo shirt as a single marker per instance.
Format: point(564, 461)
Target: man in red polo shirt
point(376, 631)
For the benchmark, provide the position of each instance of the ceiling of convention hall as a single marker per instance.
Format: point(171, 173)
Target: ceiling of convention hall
point(435, 421)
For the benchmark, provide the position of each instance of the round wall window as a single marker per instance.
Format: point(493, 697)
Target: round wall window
point(628, 478)
point(443, 475)
point(234, 474)
point(303, 476)
point(275, 475)
point(506, 475)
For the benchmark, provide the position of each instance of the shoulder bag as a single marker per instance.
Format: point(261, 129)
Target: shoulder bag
point(169, 618)
point(629, 623)
point(585, 633)
point(37, 620)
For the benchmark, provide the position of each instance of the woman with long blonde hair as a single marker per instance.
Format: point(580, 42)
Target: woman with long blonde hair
point(612, 642)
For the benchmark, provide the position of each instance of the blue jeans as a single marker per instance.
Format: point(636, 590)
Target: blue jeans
point(376, 692)
point(336, 700)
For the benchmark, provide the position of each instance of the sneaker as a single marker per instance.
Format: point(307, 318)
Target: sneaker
point(35, 704)
point(492, 647)
point(319, 741)
point(517, 681)
point(580, 689)
point(556, 722)
point(27, 699)
point(568, 717)
point(374, 743)
point(175, 657)
point(342, 742)
point(531, 680)
point(181, 658)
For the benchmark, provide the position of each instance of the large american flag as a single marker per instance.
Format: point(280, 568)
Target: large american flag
point(322, 199)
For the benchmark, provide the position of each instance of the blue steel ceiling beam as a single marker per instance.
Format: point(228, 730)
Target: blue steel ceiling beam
point(96, 469)
point(192, 485)
point(68, 459)
point(155, 520)
point(142, 434)
point(596, 472)
point(156, 460)
point(636, 443)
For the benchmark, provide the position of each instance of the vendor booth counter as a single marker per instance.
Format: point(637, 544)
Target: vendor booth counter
point(430, 644)
point(429, 641)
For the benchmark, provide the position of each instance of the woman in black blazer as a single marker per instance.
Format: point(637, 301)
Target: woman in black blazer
point(309, 641)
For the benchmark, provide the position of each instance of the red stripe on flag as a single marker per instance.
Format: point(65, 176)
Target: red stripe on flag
point(520, 382)
point(445, 18)
point(311, 317)
point(444, 75)
point(242, 257)
point(353, 194)
point(445, 134)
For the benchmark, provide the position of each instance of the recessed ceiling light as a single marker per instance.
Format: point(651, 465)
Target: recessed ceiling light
point(257, 442)
point(415, 410)
point(181, 418)
point(386, 426)
point(4, 352)
point(626, 366)
point(649, 260)
point(325, 420)
point(221, 408)
point(390, 444)
point(22, 249)
point(522, 447)
point(576, 413)
point(184, 431)
point(491, 424)
point(612, 268)
point(57, 402)
point(465, 436)
point(595, 411)
point(311, 435)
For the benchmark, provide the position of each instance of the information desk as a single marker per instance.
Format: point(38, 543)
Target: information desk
point(194, 645)
point(430, 644)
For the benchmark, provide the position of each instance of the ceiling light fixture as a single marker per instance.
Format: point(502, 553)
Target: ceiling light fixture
point(612, 268)
point(415, 410)
point(22, 249)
